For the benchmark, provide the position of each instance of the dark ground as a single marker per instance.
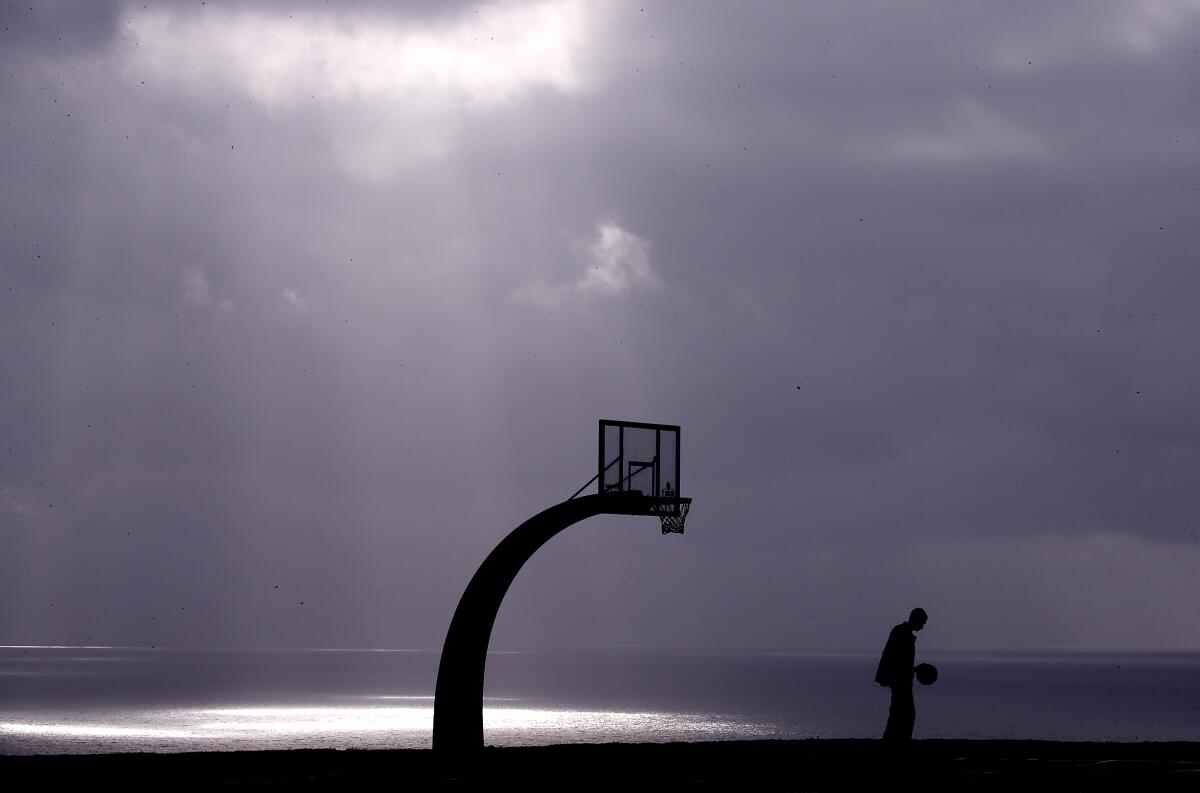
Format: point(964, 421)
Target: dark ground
point(746, 765)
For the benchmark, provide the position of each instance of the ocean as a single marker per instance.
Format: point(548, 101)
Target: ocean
point(112, 699)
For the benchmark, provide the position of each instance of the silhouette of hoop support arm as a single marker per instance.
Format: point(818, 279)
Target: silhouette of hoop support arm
point(458, 698)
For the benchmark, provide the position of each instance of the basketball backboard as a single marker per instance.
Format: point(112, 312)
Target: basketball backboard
point(639, 458)
point(641, 461)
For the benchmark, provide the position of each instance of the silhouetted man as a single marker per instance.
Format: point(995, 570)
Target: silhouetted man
point(895, 671)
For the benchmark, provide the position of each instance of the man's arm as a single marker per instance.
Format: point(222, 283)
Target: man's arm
point(891, 658)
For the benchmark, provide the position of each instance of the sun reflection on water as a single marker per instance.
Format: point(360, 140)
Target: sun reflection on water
point(341, 726)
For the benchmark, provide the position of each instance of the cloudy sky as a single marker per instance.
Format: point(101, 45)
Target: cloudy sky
point(303, 306)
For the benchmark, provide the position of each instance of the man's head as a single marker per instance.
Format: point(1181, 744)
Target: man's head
point(917, 619)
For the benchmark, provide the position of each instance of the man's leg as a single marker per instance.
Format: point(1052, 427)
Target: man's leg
point(901, 715)
point(909, 715)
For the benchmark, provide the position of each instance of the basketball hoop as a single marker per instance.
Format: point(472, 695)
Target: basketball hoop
point(672, 512)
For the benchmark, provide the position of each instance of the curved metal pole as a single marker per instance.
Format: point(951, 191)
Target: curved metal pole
point(458, 698)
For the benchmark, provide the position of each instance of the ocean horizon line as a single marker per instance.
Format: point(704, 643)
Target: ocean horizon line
point(600, 648)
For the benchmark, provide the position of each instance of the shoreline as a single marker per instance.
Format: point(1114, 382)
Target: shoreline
point(814, 764)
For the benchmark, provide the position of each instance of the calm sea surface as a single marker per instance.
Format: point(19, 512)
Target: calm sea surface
point(70, 699)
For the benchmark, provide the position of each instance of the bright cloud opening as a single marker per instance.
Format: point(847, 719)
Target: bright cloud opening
point(398, 89)
point(617, 262)
point(487, 56)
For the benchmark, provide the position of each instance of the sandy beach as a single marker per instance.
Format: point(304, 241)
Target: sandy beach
point(752, 765)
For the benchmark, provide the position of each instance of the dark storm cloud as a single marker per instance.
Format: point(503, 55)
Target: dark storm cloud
point(958, 291)
point(286, 311)
point(58, 27)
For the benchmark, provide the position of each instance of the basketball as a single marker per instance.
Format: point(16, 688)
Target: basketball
point(926, 674)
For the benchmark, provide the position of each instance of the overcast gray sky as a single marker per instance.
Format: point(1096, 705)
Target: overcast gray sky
point(303, 306)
